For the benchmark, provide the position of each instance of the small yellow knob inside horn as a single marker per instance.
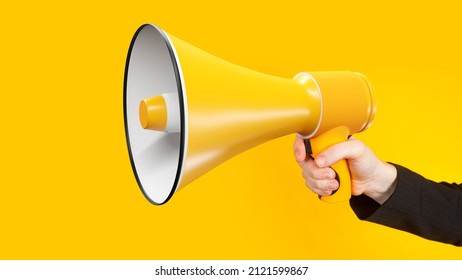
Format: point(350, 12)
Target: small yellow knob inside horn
point(153, 113)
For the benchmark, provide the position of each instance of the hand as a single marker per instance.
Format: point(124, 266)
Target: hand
point(369, 175)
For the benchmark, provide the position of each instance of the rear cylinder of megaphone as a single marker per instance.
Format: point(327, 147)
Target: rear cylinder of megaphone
point(346, 100)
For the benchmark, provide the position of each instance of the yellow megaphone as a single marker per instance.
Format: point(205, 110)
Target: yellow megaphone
point(186, 111)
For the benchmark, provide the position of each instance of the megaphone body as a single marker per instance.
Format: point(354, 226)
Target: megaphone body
point(186, 111)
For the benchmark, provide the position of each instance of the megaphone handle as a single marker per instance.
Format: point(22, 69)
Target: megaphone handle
point(318, 144)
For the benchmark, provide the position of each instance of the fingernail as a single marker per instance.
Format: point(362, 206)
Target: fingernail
point(333, 186)
point(329, 174)
point(298, 155)
point(320, 161)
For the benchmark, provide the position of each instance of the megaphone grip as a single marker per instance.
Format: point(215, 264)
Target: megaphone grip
point(320, 143)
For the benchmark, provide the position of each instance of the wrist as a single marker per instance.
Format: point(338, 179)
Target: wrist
point(384, 183)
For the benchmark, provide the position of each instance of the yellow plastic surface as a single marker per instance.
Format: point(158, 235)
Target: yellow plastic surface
point(346, 100)
point(232, 109)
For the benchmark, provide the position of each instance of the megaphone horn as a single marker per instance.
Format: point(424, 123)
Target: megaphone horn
point(186, 111)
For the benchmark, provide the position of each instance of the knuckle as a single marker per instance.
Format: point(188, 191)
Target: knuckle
point(361, 147)
point(312, 186)
point(328, 174)
point(320, 174)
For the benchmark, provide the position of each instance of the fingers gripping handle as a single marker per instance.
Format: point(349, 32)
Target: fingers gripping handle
point(324, 141)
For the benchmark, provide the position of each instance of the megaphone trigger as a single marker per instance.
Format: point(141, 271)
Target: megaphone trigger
point(342, 173)
point(308, 148)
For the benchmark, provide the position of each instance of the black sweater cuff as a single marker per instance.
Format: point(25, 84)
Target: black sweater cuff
point(419, 206)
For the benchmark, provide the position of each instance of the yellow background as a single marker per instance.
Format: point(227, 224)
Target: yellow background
point(66, 185)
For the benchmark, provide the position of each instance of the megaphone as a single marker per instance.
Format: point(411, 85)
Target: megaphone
point(186, 111)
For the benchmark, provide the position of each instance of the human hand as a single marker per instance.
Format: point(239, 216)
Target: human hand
point(369, 175)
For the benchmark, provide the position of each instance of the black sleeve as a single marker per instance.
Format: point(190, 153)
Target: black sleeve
point(419, 206)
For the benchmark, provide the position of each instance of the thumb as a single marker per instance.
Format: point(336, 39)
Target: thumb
point(350, 150)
